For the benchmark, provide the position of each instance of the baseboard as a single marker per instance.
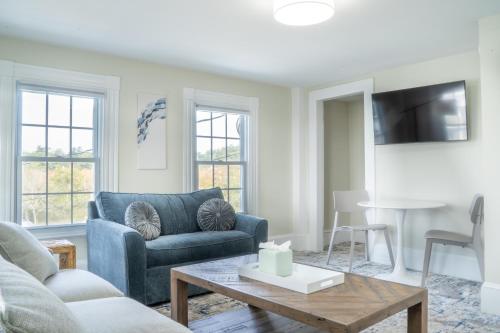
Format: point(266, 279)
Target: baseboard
point(442, 262)
point(490, 298)
point(341, 237)
point(299, 242)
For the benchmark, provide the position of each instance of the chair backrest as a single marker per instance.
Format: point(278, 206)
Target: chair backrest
point(476, 210)
point(347, 201)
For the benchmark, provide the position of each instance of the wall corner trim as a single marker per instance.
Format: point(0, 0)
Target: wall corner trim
point(490, 298)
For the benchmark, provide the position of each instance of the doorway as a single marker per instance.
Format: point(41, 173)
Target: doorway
point(344, 156)
point(316, 166)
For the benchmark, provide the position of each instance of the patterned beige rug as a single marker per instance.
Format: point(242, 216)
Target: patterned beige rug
point(454, 304)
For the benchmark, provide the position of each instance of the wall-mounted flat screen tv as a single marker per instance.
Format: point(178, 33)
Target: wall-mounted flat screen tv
point(423, 114)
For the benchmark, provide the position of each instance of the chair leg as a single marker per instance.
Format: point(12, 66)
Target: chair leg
point(480, 260)
point(351, 252)
point(389, 247)
point(367, 250)
point(330, 247)
point(427, 261)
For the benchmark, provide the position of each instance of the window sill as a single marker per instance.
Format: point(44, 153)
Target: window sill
point(59, 231)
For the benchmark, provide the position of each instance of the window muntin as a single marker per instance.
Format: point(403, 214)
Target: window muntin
point(220, 154)
point(57, 155)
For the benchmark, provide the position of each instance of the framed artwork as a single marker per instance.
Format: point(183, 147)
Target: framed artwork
point(151, 132)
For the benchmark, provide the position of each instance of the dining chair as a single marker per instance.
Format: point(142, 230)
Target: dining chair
point(476, 212)
point(347, 202)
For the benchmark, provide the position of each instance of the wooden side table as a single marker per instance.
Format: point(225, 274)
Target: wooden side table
point(66, 251)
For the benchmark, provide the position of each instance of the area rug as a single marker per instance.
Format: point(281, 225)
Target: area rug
point(454, 304)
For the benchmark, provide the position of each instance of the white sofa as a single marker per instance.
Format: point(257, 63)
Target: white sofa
point(100, 307)
point(37, 297)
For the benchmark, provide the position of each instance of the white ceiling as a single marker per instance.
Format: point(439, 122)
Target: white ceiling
point(240, 37)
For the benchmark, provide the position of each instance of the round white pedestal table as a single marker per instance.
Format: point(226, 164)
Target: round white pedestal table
point(400, 273)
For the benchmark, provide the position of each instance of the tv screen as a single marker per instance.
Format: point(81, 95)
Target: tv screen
point(431, 113)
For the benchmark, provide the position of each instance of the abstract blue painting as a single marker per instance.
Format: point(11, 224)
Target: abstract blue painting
point(151, 132)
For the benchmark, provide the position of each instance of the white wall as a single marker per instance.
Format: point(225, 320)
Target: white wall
point(448, 172)
point(274, 151)
point(489, 48)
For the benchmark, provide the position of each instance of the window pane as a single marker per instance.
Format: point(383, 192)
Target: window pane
point(205, 176)
point(226, 195)
point(219, 149)
point(58, 141)
point(80, 202)
point(203, 123)
point(83, 143)
point(233, 150)
point(59, 209)
point(83, 112)
point(59, 110)
point(83, 177)
point(235, 199)
point(234, 176)
point(203, 149)
point(233, 125)
point(219, 124)
point(33, 108)
point(220, 176)
point(33, 210)
point(59, 177)
point(33, 141)
point(34, 179)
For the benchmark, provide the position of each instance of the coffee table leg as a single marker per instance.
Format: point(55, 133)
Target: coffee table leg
point(417, 317)
point(179, 299)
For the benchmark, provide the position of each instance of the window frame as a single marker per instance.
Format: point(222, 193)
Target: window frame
point(19, 159)
point(221, 101)
point(243, 151)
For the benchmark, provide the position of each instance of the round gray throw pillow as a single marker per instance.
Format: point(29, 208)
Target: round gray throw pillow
point(216, 215)
point(142, 217)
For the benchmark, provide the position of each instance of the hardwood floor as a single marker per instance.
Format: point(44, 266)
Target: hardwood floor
point(250, 320)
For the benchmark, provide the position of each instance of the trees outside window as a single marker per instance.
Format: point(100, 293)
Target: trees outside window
point(57, 155)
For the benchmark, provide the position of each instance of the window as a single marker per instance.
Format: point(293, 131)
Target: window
point(220, 153)
point(57, 155)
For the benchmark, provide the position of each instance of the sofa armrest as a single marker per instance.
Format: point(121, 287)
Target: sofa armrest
point(255, 226)
point(117, 253)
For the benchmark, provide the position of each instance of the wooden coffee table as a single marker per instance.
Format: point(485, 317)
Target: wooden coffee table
point(358, 303)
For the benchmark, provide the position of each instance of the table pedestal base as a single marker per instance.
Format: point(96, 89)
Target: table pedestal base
point(400, 274)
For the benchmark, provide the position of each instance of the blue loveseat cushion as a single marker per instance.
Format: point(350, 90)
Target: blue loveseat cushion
point(175, 249)
point(177, 211)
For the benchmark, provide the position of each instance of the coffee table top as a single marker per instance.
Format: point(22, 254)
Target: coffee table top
point(352, 306)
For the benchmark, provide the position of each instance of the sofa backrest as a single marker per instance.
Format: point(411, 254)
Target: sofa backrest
point(177, 211)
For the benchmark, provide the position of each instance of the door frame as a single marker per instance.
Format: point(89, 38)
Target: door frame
point(316, 152)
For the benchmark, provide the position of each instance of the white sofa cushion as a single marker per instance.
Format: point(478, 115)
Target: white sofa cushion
point(122, 315)
point(27, 306)
point(20, 247)
point(72, 285)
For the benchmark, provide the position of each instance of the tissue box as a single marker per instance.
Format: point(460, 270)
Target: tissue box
point(276, 262)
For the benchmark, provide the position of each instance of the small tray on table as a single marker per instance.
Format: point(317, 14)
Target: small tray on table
point(304, 279)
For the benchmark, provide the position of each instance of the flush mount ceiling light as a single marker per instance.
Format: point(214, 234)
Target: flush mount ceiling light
point(303, 12)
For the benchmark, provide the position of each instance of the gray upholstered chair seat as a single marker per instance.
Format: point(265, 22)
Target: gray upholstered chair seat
point(175, 249)
point(448, 235)
point(363, 227)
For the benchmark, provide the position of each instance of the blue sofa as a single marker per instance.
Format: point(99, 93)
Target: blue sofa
point(141, 269)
